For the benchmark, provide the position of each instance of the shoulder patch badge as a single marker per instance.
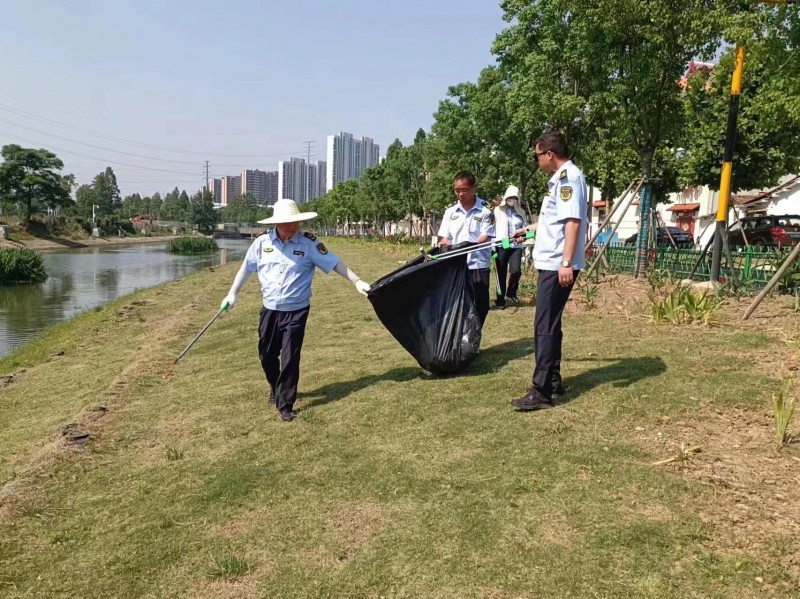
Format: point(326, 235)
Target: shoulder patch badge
point(491, 218)
point(321, 248)
point(566, 192)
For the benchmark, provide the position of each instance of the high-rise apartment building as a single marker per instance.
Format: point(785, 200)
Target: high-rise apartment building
point(231, 188)
point(215, 187)
point(313, 182)
point(255, 182)
point(293, 179)
point(272, 187)
point(348, 157)
point(322, 177)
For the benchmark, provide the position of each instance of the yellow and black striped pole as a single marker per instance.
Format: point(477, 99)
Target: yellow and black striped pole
point(727, 165)
point(721, 230)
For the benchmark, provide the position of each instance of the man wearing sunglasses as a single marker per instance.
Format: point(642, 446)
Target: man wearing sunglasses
point(558, 256)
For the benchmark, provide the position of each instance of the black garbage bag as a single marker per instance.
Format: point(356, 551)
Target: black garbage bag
point(429, 307)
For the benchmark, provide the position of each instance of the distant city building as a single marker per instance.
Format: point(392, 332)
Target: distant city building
point(215, 187)
point(317, 174)
point(231, 188)
point(255, 182)
point(272, 187)
point(313, 182)
point(348, 158)
point(322, 178)
point(293, 180)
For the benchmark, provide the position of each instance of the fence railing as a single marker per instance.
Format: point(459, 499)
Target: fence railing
point(750, 266)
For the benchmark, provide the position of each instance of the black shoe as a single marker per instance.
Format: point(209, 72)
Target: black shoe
point(499, 306)
point(514, 300)
point(288, 415)
point(558, 391)
point(530, 402)
point(272, 397)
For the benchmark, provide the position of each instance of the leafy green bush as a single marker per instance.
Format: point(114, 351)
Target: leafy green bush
point(21, 266)
point(192, 245)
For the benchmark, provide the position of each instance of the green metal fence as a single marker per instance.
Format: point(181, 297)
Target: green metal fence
point(750, 266)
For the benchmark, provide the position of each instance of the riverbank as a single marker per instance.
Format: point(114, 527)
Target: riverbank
point(657, 475)
point(74, 244)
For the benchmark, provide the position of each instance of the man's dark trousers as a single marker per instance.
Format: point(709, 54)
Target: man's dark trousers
point(280, 339)
point(480, 283)
point(550, 301)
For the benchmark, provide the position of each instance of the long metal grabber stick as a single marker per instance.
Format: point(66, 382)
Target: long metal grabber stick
point(505, 243)
point(610, 215)
point(193, 341)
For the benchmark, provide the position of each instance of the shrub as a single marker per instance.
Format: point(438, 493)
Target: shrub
point(192, 245)
point(21, 266)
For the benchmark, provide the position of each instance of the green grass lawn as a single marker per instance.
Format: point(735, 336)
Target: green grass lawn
point(392, 482)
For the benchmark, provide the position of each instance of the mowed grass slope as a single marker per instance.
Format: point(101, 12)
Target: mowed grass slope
point(391, 483)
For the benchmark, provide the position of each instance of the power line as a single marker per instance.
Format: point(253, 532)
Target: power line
point(81, 143)
point(106, 160)
point(30, 115)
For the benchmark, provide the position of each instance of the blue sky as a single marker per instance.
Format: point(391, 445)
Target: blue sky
point(237, 77)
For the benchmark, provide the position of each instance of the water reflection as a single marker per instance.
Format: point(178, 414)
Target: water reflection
point(83, 279)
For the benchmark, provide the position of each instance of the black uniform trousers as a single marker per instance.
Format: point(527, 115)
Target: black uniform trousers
point(550, 301)
point(480, 283)
point(280, 339)
point(508, 260)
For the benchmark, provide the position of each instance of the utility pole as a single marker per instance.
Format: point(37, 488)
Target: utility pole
point(721, 229)
point(309, 147)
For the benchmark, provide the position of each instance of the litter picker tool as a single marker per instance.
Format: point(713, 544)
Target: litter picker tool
point(188, 347)
point(504, 243)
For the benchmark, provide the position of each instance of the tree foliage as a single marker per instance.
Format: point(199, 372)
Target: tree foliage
point(29, 179)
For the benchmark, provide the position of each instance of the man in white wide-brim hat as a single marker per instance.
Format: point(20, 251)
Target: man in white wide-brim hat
point(285, 260)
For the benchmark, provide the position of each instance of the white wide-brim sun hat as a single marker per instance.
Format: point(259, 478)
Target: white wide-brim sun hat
point(286, 211)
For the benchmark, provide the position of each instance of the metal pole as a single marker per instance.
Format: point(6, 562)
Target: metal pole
point(613, 211)
point(193, 341)
point(604, 247)
point(772, 282)
point(727, 164)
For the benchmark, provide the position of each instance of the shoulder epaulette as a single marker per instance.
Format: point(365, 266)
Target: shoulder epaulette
point(310, 235)
point(563, 173)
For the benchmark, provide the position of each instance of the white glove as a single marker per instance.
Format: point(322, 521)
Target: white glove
point(227, 303)
point(362, 287)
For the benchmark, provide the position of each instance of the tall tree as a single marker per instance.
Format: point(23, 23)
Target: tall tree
point(132, 205)
point(768, 132)
point(85, 198)
point(28, 178)
point(203, 213)
point(107, 191)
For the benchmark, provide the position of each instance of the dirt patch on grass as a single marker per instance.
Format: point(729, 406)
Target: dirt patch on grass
point(754, 506)
point(355, 525)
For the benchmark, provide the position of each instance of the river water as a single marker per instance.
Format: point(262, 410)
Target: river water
point(83, 279)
